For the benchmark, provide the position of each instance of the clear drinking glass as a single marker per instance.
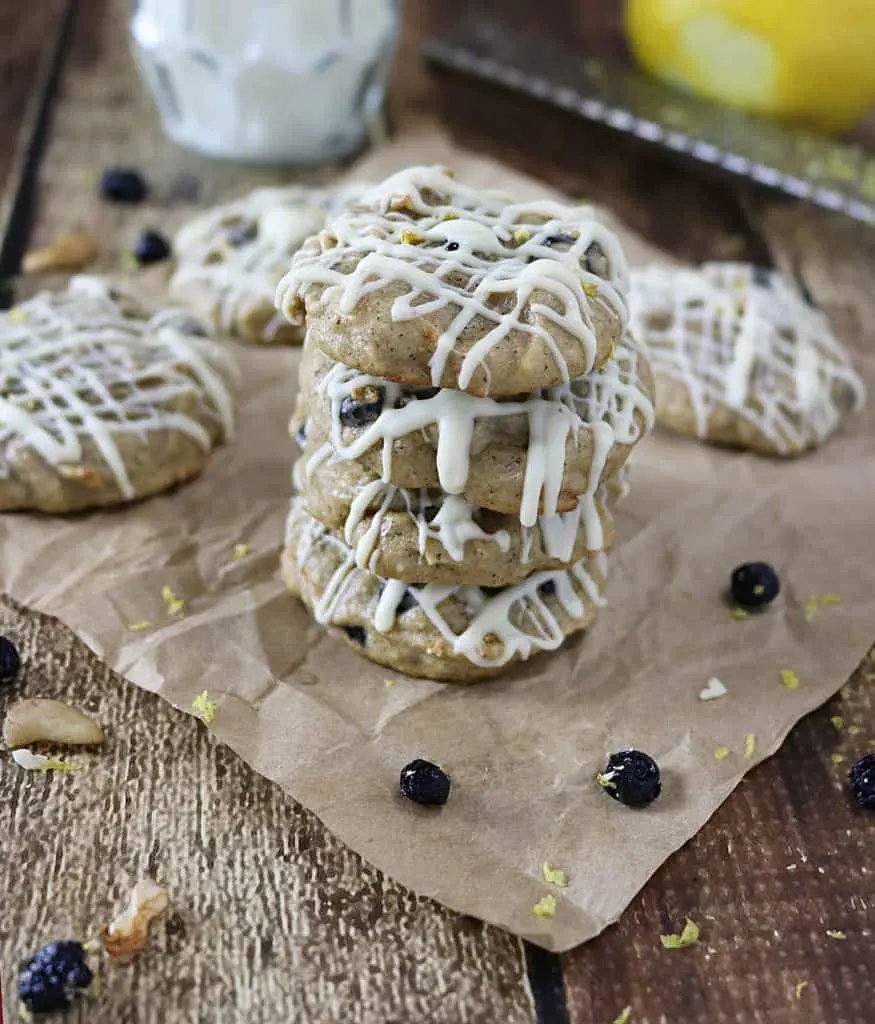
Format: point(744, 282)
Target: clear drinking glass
point(268, 81)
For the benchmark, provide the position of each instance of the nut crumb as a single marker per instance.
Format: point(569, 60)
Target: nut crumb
point(714, 690)
point(72, 251)
point(129, 932)
point(37, 720)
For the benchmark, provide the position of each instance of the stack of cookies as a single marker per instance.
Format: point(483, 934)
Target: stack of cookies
point(468, 397)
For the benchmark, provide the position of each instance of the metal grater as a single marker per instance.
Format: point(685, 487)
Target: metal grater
point(807, 166)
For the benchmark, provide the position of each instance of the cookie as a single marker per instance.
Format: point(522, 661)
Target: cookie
point(426, 536)
point(741, 359)
point(439, 631)
point(428, 282)
point(101, 403)
point(536, 454)
point(230, 259)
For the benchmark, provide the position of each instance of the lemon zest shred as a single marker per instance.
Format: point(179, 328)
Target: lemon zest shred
point(789, 679)
point(828, 600)
point(241, 551)
point(750, 742)
point(554, 875)
point(720, 753)
point(800, 986)
point(624, 1016)
point(204, 708)
point(689, 936)
point(174, 603)
point(834, 933)
point(739, 613)
point(545, 907)
point(138, 627)
point(838, 758)
point(837, 722)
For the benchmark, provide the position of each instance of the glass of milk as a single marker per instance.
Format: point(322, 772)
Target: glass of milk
point(268, 81)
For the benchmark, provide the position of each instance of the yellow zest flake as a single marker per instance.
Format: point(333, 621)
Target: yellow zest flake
point(409, 237)
point(739, 613)
point(204, 708)
point(720, 753)
point(32, 762)
point(828, 600)
point(590, 289)
point(624, 1016)
point(174, 604)
point(750, 742)
point(838, 758)
point(854, 730)
point(834, 934)
point(545, 907)
point(16, 315)
point(138, 627)
point(450, 216)
point(811, 606)
point(837, 722)
point(800, 987)
point(554, 876)
point(789, 679)
point(689, 936)
point(521, 235)
point(241, 551)
point(605, 781)
point(390, 682)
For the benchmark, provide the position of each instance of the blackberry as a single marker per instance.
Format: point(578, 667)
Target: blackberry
point(123, 185)
point(151, 247)
point(425, 783)
point(360, 411)
point(422, 394)
point(356, 634)
point(10, 661)
point(862, 777)
point(54, 977)
point(754, 585)
point(632, 777)
point(547, 588)
point(452, 246)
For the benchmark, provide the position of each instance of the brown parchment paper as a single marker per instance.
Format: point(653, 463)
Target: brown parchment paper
point(522, 751)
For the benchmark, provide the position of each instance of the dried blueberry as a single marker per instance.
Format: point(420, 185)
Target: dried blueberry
point(452, 246)
point(360, 409)
point(632, 777)
point(425, 783)
point(762, 276)
point(123, 185)
point(754, 585)
point(422, 394)
point(862, 777)
point(596, 260)
point(561, 241)
point(151, 247)
point(301, 436)
point(407, 602)
point(547, 588)
point(54, 977)
point(10, 662)
point(241, 233)
point(356, 634)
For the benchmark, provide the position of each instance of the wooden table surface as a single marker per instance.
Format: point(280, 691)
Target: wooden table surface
point(273, 919)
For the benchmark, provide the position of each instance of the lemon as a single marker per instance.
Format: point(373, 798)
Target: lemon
point(810, 62)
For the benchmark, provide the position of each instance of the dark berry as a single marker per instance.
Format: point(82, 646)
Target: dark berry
point(151, 247)
point(123, 185)
point(422, 394)
point(10, 662)
point(356, 634)
point(863, 782)
point(560, 241)
point(754, 585)
point(407, 602)
point(425, 783)
point(452, 246)
point(301, 436)
point(53, 978)
point(547, 588)
point(596, 260)
point(632, 777)
point(362, 410)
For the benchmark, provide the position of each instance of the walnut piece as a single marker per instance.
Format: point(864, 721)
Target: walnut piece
point(36, 720)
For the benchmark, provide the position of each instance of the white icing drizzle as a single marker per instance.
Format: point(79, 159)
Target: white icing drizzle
point(492, 637)
point(499, 260)
point(759, 350)
point(281, 220)
point(610, 402)
point(72, 367)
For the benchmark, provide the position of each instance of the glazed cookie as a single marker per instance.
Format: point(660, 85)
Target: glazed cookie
point(429, 282)
point(101, 403)
point(230, 258)
point(426, 536)
point(439, 631)
point(537, 454)
point(741, 359)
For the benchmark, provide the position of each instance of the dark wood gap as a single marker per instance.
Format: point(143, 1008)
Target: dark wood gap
point(544, 970)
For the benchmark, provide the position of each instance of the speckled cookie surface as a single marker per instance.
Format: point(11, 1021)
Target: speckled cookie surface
point(231, 257)
point(536, 454)
point(101, 403)
point(429, 282)
point(425, 536)
point(741, 359)
point(451, 633)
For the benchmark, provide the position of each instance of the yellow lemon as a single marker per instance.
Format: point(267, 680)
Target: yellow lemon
point(811, 62)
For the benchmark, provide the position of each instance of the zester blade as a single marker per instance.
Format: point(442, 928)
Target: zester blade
point(803, 165)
